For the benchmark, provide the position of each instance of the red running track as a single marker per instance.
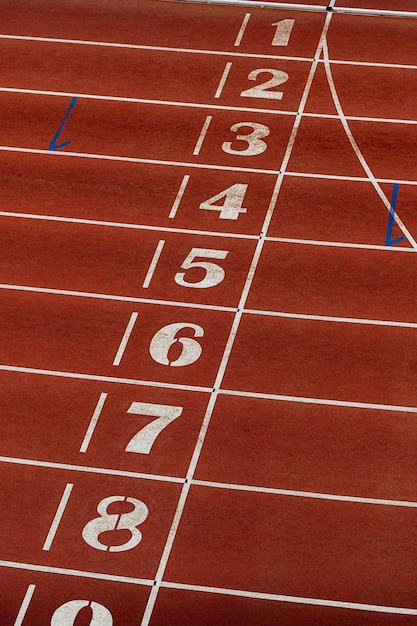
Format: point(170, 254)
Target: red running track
point(207, 348)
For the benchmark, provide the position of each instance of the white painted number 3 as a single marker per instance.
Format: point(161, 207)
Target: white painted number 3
point(254, 140)
point(116, 521)
point(166, 338)
point(67, 613)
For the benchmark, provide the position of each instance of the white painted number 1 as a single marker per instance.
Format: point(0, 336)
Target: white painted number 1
point(67, 613)
point(283, 32)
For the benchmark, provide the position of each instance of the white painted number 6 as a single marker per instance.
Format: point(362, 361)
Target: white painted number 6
point(116, 521)
point(254, 142)
point(165, 338)
point(67, 613)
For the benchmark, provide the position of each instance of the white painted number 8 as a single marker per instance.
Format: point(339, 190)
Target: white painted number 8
point(116, 521)
point(253, 139)
point(67, 613)
point(167, 337)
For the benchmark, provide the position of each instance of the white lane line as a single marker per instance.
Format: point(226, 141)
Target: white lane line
point(229, 392)
point(106, 44)
point(356, 148)
point(398, 66)
point(341, 244)
point(58, 516)
point(359, 179)
point(93, 422)
point(202, 136)
point(126, 336)
point(179, 196)
point(206, 483)
point(200, 105)
point(115, 298)
point(165, 229)
point(34, 567)
point(103, 379)
point(305, 494)
point(185, 231)
point(327, 318)
point(242, 30)
point(189, 164)
point(89, 469)
point(171, 103)
point(358, 118)
point(293, 599)
point(223, 79)
point(320, 401)
point(230, 341)
point(153, 264)
point(123, 159)
point(25, 605)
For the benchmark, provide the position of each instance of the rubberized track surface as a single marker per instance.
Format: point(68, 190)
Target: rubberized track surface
point(208, 329)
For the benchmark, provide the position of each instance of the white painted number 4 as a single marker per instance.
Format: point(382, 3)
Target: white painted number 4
point(232, 206)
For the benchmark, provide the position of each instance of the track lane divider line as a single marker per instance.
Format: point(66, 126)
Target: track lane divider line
point(107, 44)
point(293, 599)
point(126, 336)
point(231, 338)
point(130, 226)
point(25, 605)
point(125, 159)
point(230, 392)
point(89, 469)
point(93, 422)
point(306, 494)
point(58, 516)
point(356, 148)
point(242, 30)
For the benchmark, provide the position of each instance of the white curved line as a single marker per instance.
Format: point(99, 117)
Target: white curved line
point(356, 148)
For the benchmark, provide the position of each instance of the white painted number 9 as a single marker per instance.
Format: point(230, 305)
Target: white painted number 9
point(254, 142)
point(67, 613)
point(165, 338)
point(116, 521)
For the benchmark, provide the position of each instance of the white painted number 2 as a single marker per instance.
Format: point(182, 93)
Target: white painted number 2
point(166, 338)
point(254, 140)
point(232, 206)
point(263, 90)
point(116, 521)
point(67, 613)
point(214, 274)
point(143, 441)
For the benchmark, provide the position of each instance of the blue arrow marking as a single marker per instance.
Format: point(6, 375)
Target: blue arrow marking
point(53, 145)
point(388, 239)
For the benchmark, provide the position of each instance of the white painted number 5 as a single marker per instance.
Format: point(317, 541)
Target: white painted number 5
point(254, 142)
point(214, 274)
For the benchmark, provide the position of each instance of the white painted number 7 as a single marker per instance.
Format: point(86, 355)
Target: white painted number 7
point(143, 441)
